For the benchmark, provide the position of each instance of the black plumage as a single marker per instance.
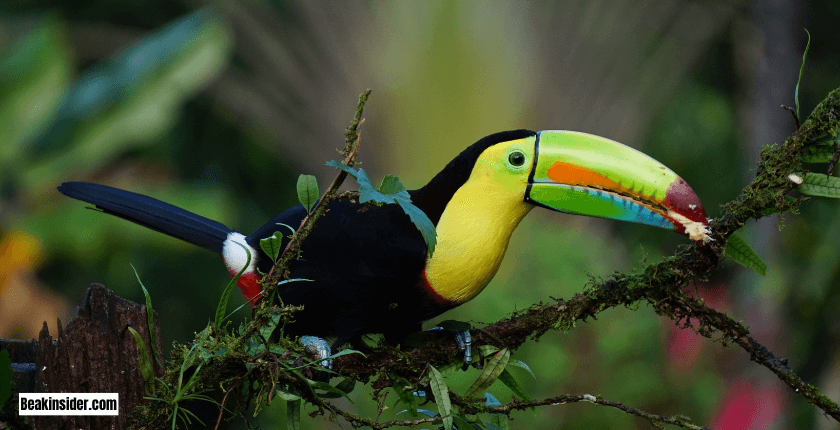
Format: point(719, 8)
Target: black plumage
point(364, 263)
point(151, 213)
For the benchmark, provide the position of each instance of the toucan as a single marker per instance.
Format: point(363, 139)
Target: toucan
point(367, 267)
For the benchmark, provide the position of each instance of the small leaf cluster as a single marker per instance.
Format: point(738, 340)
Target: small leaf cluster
point(452, 416)
point(740, 252)
point(392, 191)
point(172, 394)
point(272, 369)
point(823, 149)
point(273, 245)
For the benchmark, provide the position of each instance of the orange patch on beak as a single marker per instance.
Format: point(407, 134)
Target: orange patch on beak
point(569, 174)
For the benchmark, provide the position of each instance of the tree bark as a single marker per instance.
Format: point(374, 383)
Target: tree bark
point(95, 353)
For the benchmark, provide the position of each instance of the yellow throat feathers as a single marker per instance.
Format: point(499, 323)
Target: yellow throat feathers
point(475, 228)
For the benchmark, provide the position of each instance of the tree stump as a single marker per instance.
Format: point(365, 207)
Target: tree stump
point(94, 353)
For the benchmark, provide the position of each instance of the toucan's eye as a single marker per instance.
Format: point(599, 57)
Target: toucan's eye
point(516, 158)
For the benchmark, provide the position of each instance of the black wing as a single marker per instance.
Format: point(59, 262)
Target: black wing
point(364, 264)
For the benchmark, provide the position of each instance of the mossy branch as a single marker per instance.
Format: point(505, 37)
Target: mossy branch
point(662, 284)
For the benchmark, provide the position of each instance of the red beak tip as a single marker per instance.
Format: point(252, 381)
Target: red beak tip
point(682, 199)
point(686, 209)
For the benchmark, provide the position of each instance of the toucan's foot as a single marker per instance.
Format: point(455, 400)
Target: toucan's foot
point(463, 339)
point(320, 347)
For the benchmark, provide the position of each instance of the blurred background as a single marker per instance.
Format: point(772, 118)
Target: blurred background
point(218, 111)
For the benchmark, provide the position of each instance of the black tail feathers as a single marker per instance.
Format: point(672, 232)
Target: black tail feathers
point(151, 213)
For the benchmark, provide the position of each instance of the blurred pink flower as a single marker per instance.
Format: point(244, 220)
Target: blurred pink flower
point(746, 407)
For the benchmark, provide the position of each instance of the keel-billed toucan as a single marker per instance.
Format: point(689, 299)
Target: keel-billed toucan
point(368, 265)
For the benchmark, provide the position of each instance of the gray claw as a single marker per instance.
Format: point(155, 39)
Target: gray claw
point(318, 346)
point(463, 339)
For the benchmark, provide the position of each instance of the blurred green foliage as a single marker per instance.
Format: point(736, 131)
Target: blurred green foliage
point(34, 74)
point(167, 115)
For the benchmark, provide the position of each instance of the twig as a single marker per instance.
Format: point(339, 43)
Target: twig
point(792, 112)
point(833, 161)
point(677, 420)
point(280, 269)
point(224, 400)
point(381, 407)
point(359, 421)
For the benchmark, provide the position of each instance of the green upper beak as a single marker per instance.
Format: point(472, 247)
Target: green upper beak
point(583, 174)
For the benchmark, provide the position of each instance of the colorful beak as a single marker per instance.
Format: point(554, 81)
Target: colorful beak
point(583, 174)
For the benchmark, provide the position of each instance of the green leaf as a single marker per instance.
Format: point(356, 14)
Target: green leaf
point(494, 367)
point(740, 252)
point(347, 385)
point(441, 393)
point(303, 378)
point(175, 416)
point(407, 399)
point(405, 394)
point(817, 153)
point(450, 368)
point(223, 302)
point(273, 245)
point(498, 420)
point(821, 185)
point(337, 354)
point(342, 166)
point(146, 368)
point(488, 350)
point(367, 193)
point(330, 391)
point(183, 389)
point(507, 378)
point(150, 317)
point(6, 377)
point(185, 417)
point(270, 327)
point(422, 221)
point(372, 340)
point(463, 423)
point(287, 226)
point(293, 414)
point(801, 69)
point(521, 364)
point(307, 191)
point(287, 396)
point(391, 185)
